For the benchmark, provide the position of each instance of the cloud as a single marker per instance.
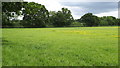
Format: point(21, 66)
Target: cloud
point(78, 7)
point(93, 7)
point(89, 0)
point(51, 5)
point(111, 13)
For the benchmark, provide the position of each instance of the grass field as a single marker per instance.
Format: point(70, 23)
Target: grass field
point(73, 46)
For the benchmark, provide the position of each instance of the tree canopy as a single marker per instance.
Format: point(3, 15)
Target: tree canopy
point(90, 20)
point(62, 18)
point(9, 10)
point(36, 15)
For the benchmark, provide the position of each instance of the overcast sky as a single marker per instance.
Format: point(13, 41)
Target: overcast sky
point(79, 8)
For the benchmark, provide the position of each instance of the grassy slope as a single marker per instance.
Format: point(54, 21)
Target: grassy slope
point(78, 46)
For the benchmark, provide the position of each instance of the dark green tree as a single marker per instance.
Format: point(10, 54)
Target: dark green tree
point(108, 21)
point(9, 9)
point(51, 18)
point(103, 21)
point(118, 21)
point(111, 20)
point(35, 15)
point(90, 20)
point(62, 18)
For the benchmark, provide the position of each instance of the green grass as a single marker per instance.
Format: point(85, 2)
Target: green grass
point(0, 47)
point(74, 46)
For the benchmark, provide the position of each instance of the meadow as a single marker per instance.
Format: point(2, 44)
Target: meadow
point(69, 46)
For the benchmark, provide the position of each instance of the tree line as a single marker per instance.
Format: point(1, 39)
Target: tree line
point(36, 16)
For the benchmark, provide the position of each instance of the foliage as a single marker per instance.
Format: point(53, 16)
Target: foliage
point(90, 20)
point(5, 20)
point(118, 21)
point(62, 18)
point(35, 15)
point(16, 23)
point(108, 21)
point(9, 10)
point(76, 24)
point(103, 21)
point(12, 7)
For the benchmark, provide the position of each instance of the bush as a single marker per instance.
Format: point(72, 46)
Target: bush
point(76, 24)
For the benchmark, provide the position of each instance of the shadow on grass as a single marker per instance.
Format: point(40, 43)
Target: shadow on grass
point(4, 42)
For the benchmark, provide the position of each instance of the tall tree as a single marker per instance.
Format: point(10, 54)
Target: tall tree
point(90, 20)
point(118, 21)
point(9, 9)
point(35, 15)
point(103, 21)
point(108, 21)
point(62, 18)
point(111, 20)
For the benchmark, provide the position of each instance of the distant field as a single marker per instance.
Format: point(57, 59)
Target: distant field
point(74, 46)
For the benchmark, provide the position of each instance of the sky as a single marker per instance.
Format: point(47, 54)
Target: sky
point(79, 7)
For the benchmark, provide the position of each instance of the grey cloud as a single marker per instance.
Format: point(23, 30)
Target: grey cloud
point(93, 7)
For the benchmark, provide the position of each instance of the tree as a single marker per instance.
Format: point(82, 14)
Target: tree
point(103, 21)
point(108, 21)
point(62, 18)
point(111, 20)
point(35, 15)
point(9, 10)
point(118, 21)
point(51, 18)
point(5, 20)
point(90, 20)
